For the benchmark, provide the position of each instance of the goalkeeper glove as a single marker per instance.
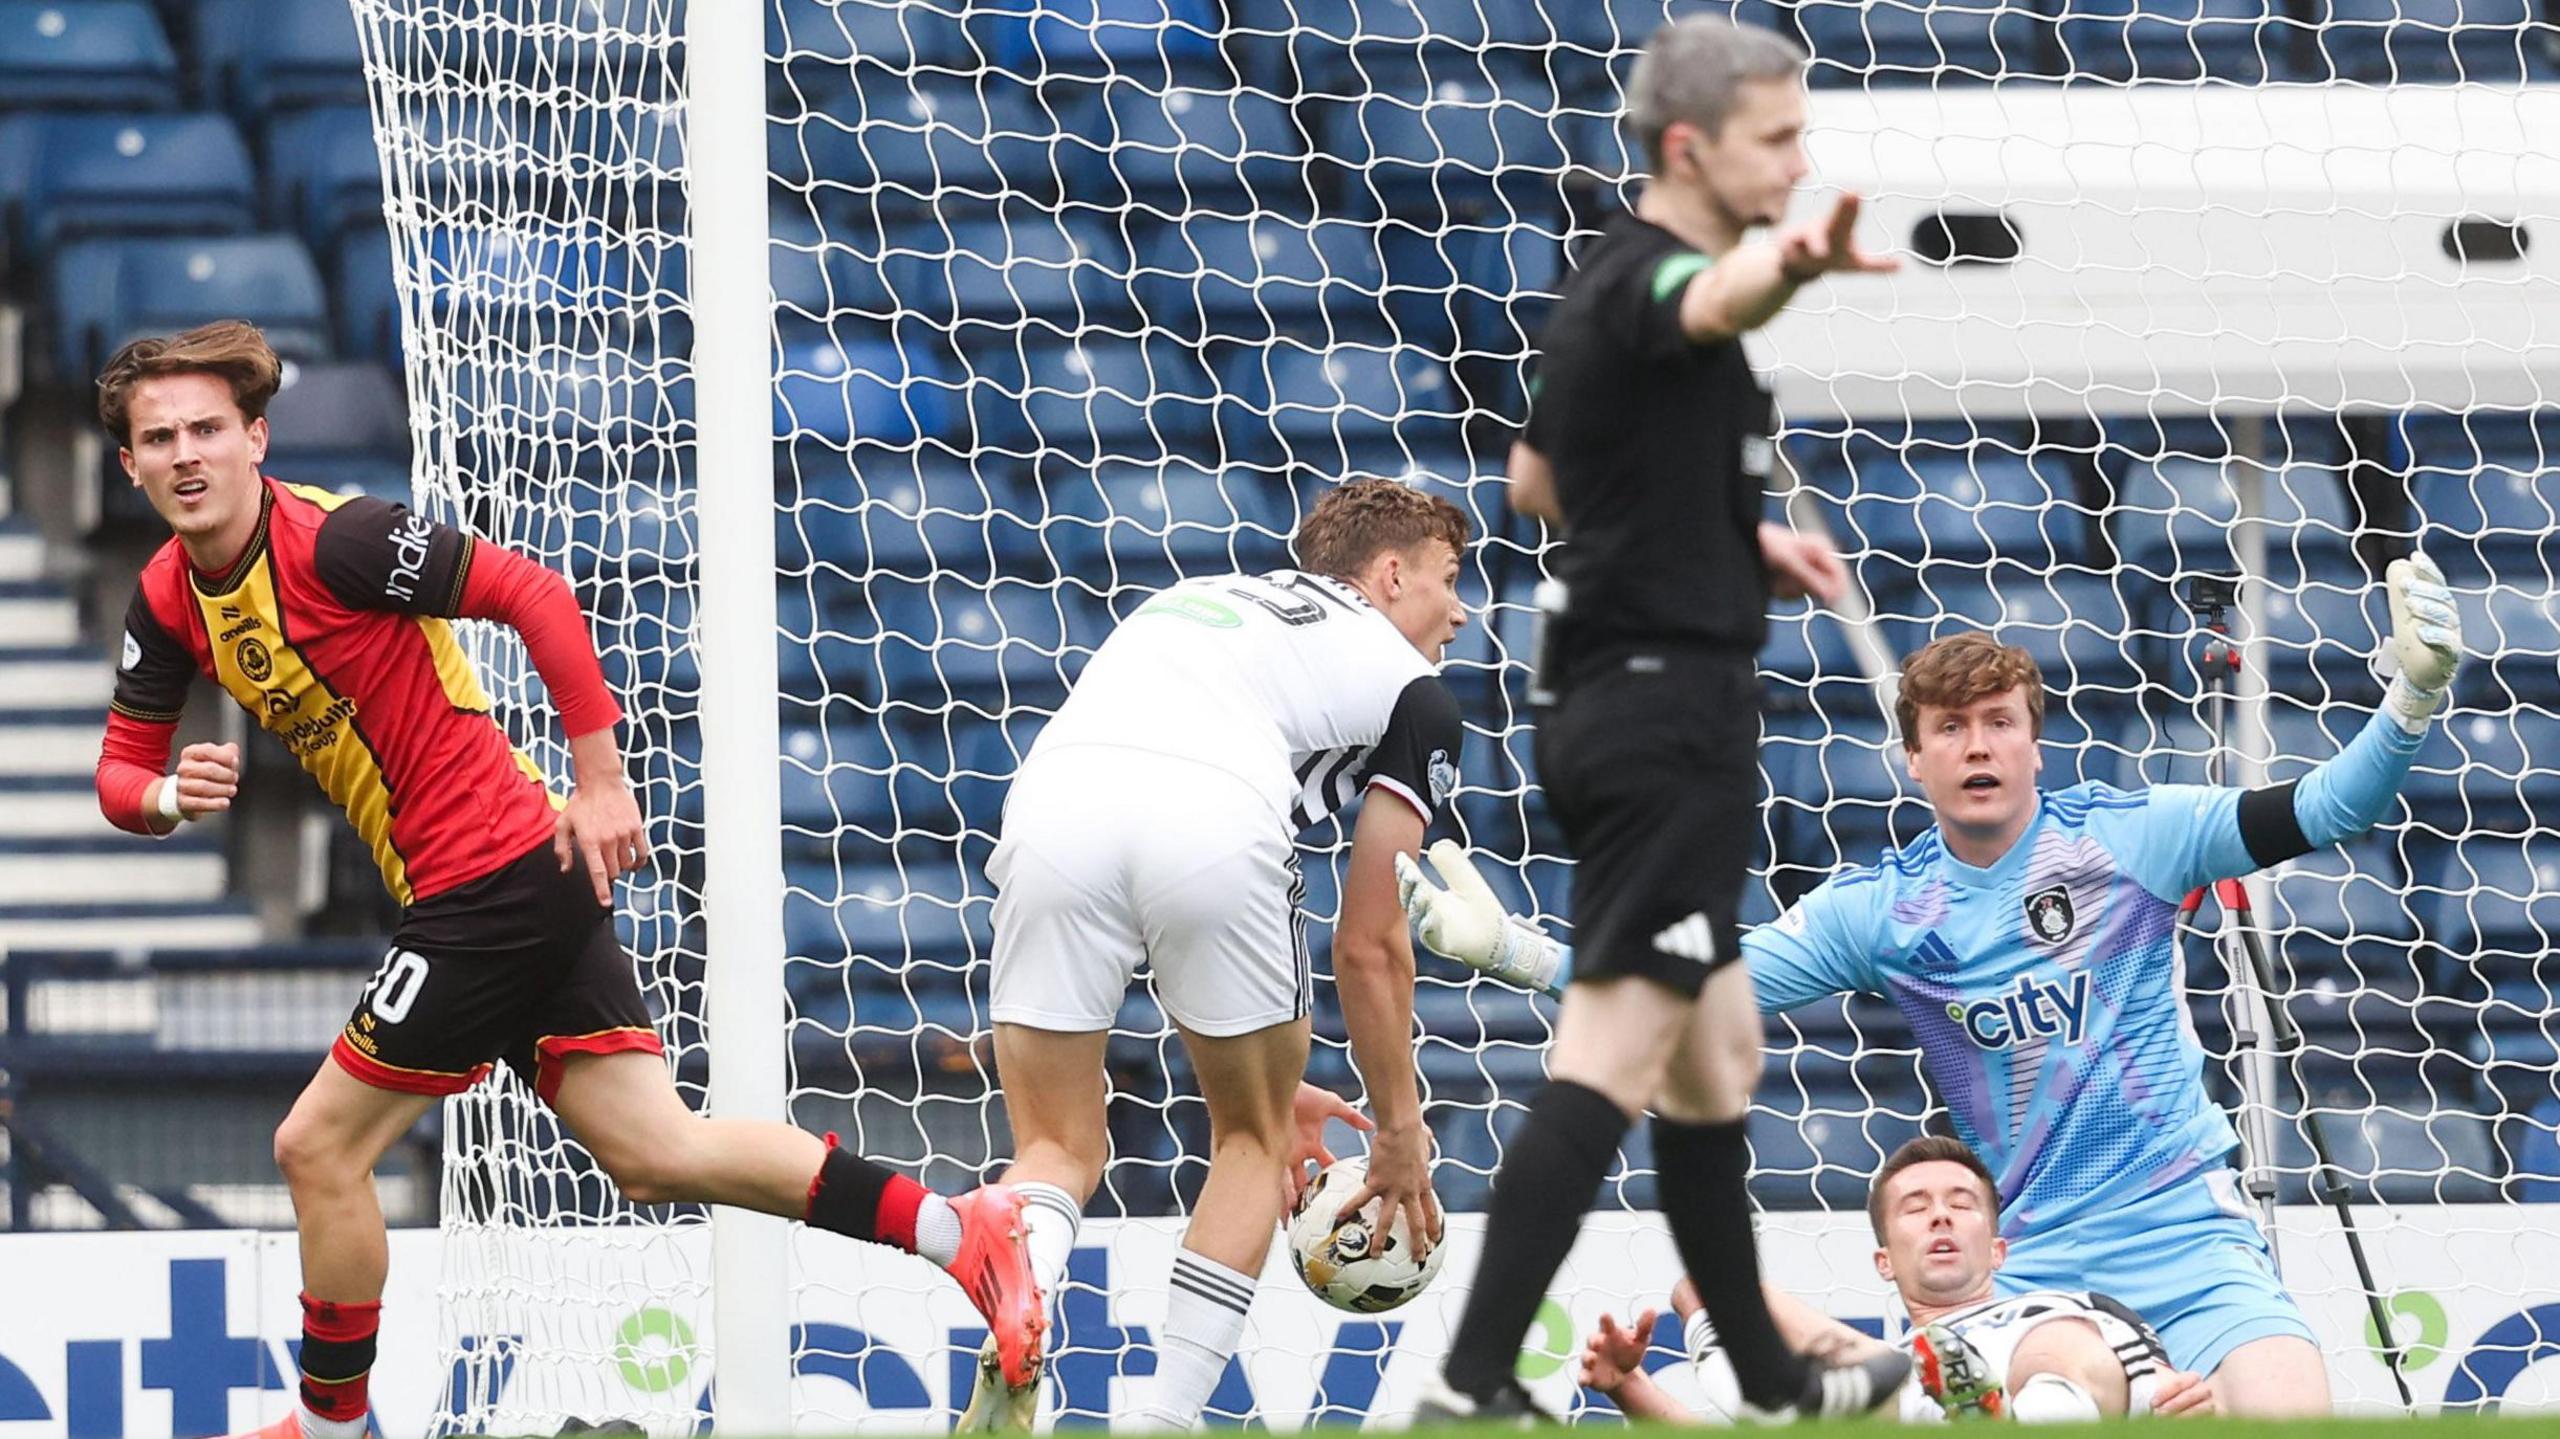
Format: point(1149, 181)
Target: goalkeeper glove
point(2426, 640)
point(1467, 923)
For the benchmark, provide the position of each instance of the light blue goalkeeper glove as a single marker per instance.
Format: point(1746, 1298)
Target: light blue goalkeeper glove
point(1466, 922)
point(2426, 641)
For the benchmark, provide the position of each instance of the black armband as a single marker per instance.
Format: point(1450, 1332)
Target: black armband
point(2269, 829)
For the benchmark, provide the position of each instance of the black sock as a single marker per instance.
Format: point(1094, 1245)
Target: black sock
point(845, 1197)
point(1704, 1169)
point(1550, 1170)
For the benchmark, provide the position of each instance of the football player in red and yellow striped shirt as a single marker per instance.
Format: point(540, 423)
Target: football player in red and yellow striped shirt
point(325, 618)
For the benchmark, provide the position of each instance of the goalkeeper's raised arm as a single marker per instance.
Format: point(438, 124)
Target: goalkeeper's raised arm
point(2199, 833)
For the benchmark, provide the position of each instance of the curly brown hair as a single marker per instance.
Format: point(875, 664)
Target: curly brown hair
point(232, 350)
point(1957, 670)
point(1931, 1149)
point(1358, 520)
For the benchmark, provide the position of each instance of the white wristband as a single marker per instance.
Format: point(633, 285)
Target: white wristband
point(168, 802)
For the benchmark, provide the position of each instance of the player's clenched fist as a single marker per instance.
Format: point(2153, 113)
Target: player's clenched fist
point(206, 778)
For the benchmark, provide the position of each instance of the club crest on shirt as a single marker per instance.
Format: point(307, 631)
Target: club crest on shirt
point(1443, 774)
point(2049, 914)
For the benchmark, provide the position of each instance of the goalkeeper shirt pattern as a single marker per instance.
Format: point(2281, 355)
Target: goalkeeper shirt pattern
point(329, 630)
point(2045, 991)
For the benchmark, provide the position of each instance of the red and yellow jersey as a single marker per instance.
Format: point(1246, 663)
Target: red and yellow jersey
point(330, 629)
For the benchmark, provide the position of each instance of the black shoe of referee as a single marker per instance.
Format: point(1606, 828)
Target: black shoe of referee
point(1508, 1407)
point(1838, 1391)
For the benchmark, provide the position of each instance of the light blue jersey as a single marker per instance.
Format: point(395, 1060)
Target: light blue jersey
point(2045, 991)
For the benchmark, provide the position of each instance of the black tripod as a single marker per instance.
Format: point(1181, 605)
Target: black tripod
point(2210, 598)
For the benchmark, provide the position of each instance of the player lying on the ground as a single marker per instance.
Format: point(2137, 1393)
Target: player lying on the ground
point(1152, 824)
point(325, 618)
point(2042, 1356)
point(2031, 941)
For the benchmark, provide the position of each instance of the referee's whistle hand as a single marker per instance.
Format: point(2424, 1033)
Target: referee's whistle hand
point(1802, 565)
point(601, 825)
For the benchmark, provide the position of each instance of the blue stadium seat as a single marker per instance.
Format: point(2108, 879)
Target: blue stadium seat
point(1040, 38)
point(1212, 276)
point(2073, 623)
point(2537, 1155)
point(109, 53)
point(2082, 740)
point(2462, 441)
point(904, 144)
point(2240, 41)
point(254, 56)
point(833, 778)
point(1807, 659)
point(1319, 409)
point(2321, 639)
point(341, 427)
point(911, 513)
point(1235, 152)
point(105, 292)
point(2496, 897)
point(368, 302)
point(990, 279)
point(2404, 1150)
point(1482, 289)
point(2477, 41)
point(2329, 897)
point(1345, 46)
point(2485, 517)
point(823, 647)
point(1460, 148)
point(844, 385)
point(2484, 771)
point(323, 177)
point(897, 914)
point(823, 41)
point(2514, 640)
point(1094, 399)
point(81, 175)
point(1155, 523)
point(823, 271)
point(1818, 1148)
point(944, 640)
point(1919, 42)
point(1838, 792)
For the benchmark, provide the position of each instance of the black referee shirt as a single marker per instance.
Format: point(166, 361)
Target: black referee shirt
point(1661, 451)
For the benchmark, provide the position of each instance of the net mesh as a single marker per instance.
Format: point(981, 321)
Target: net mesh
point(1076, 299)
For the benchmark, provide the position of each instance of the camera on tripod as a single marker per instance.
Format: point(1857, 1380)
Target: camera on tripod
point(2210, 598)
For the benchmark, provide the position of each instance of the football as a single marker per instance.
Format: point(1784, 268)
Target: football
point(1333, 1258)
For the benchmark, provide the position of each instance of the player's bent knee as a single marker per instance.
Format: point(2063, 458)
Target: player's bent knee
point(2280, 1376)
point(311, 1154)
point(2076, 1351)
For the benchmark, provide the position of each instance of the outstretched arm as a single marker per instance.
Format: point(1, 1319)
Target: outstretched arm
point(2189, 835)
point(1749, 286)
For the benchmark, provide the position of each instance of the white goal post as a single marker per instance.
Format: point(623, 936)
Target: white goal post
point(860, 360)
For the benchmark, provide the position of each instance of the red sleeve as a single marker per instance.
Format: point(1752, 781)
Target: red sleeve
point(136, 752)
point(504, 586)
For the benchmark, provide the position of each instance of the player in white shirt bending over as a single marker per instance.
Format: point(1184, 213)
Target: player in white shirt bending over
point(2047, 1355)
point(1154, 823)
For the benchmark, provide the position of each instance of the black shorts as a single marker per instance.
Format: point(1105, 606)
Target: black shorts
point(521, 965)
point(1650, 761)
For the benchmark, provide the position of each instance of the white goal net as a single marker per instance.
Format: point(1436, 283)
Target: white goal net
point(1074, 297)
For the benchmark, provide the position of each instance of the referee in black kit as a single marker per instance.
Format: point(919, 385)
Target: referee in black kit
point(1649, 438)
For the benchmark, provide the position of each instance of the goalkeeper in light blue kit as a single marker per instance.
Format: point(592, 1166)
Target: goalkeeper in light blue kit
point(2030, 938)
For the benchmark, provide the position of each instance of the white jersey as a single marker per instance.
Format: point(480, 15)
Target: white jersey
point(1996, 1328)
point(1293, 683)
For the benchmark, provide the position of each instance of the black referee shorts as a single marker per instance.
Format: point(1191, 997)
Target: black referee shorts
point(521, 965)
point(1650, 761)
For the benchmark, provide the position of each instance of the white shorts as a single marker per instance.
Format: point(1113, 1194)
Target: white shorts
point(1113, 858)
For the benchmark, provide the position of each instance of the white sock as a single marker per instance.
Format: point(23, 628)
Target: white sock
point(1050, 1217)
point(938, 1230)
point(2052, 1399)
point(1203, 1323)
point(315, 1427)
